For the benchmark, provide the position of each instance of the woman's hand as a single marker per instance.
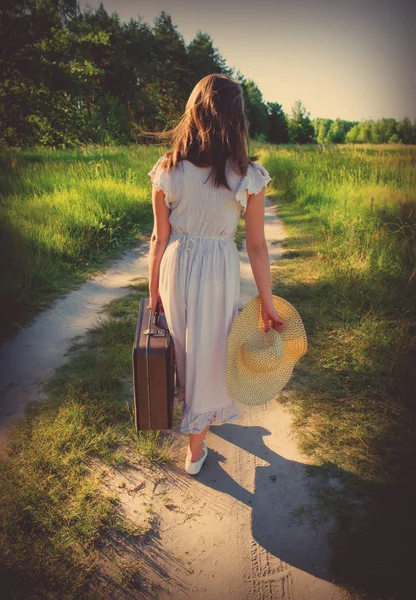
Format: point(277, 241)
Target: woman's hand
point(272, 320)
point(155, 302)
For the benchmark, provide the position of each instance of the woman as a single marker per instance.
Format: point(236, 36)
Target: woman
point(200, 189)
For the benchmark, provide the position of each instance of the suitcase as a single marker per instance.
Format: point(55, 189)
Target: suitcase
point(153, 371)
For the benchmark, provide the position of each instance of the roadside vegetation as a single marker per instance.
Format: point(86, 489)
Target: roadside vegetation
point(64, 214)
point(54, 515)
point(349, 267)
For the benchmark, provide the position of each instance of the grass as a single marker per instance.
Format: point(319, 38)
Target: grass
point(349, 268)
point(63, 215)
point(240, 234)
point(53, 512)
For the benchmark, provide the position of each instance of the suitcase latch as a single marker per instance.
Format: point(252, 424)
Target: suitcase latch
point(156, 332)
point(153, 329)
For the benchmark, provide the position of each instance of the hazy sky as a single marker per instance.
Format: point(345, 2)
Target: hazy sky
point(353, 59)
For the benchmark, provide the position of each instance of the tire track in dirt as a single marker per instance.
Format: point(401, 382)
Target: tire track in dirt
point(270, 578)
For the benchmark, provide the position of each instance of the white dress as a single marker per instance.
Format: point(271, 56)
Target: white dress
point(199, 282)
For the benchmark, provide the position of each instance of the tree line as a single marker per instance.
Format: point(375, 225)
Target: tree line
point(72, 76)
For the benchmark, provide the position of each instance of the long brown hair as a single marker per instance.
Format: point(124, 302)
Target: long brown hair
point(213, 128)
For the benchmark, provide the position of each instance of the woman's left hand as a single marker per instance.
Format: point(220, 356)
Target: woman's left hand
point(270, 314)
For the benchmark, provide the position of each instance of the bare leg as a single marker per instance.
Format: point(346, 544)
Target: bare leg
point(181, 396)
point(195, 450)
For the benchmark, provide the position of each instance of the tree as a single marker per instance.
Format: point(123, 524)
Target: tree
point(301, 130)
point(278, 127)
point(321, 129)
point(204, 59)
point(366, 131)
point(72, 76)
point(172, 80)
point(353, 135)
point(336, 133)
point(256, 110)
point(405, 131)
point(35, 88)
point(386, 129)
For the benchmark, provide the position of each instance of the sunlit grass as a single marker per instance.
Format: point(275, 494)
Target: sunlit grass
point(349, 269)
point(351, 216)
point(53, 510)
point(62, 214)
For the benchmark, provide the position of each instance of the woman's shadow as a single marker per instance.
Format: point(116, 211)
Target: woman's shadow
point(286, 520)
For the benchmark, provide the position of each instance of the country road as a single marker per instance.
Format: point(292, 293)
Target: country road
point(247, 527)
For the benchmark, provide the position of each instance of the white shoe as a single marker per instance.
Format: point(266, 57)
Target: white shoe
point(194, 467)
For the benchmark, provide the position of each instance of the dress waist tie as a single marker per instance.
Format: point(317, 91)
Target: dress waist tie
point(189, 239)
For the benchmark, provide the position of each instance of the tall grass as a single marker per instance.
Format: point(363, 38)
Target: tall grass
point(365, 203)
point(349, 268)
point(54, 512)
point(63, 213)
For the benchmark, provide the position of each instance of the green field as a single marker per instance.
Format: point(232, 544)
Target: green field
point(62, 214)
point(349, 267)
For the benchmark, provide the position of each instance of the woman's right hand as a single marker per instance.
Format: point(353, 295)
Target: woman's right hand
point(272, 320)
point(155, 302)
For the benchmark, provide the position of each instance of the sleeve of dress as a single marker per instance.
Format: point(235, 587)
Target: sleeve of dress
point(160, 179)
point(254, 180)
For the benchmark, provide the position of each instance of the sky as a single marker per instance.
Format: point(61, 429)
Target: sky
point(348, 59)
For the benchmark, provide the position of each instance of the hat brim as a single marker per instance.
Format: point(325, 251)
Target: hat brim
point(253, 387)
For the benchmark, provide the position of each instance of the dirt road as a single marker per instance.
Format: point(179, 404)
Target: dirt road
point(31, 356)
point(246, 528)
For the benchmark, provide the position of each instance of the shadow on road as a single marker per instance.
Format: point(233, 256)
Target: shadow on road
point(286, 519)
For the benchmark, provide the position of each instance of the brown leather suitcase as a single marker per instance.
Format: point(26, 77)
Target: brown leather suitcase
point(153, 371)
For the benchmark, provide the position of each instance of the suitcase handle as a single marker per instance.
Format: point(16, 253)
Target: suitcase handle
point(153, 328)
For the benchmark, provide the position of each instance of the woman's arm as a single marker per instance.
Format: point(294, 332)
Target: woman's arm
point(158, 243)
point(259, 258)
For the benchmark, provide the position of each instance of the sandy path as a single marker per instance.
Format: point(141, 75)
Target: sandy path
point(30, 357)
point(246, 527)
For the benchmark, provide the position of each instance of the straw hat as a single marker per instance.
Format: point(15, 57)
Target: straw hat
point(260, 364)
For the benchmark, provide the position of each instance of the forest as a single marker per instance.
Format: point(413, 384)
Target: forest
point(72, 77)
